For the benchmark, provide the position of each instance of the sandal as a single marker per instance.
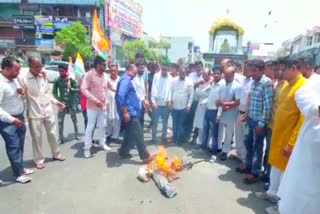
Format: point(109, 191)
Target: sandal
point(251, 179)
point(27, 171)
point(40, 166)
point(59, 158)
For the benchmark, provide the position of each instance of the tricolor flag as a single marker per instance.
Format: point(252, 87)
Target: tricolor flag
point(78, 68)
point(70, 68)
point(99, 42)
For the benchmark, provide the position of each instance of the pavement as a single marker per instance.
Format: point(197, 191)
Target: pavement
point(106, 184)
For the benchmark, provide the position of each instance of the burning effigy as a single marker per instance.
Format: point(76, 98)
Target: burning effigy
point(162, 171)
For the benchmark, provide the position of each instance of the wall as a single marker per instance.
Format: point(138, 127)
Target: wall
point(178, 48)
point(8, 32)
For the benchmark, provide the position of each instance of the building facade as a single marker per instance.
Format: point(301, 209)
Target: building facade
point(30, 25)
point(307, 44)
point(123, 21)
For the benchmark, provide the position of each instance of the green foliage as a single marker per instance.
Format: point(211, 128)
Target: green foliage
point(100, 3)
point(164, 60)
point(162, 44)
point(131, 48)
point(74, 39)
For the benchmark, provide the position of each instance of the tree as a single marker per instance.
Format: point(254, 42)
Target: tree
point(164, 60)
point(74, 39)
point(131, 48)
point(162, 44)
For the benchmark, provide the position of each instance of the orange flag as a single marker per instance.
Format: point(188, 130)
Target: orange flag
point(99, 42)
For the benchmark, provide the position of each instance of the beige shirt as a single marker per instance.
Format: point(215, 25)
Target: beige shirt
point(38, 95)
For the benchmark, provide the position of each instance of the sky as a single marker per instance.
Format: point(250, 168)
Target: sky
point(193, 18)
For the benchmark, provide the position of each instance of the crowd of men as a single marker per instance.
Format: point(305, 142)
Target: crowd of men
point(269, 110)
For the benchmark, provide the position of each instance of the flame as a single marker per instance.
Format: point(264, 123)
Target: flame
point(160, 164)
point(176, 164)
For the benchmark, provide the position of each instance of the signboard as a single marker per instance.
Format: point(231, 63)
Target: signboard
point(125, 16)
point(44, 43)
point(60, 23)
point(23, 22)
point(44, 24)
point(116, 38)
point(42, 20)
point(7, 43)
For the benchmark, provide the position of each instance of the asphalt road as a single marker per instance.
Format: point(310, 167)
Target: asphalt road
point(105, 184)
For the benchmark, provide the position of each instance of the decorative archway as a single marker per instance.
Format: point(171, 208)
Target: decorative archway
point(225, 37)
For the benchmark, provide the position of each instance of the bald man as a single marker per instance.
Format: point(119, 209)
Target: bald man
point(40, 112)
point(228, 102)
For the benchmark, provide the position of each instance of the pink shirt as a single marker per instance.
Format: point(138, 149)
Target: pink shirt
point(95, 87)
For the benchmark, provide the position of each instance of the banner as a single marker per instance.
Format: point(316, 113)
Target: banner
point(44, 24)
point(23, 22)
point(116, 38)
point(44, 44)
point(7, 43)
point(60, 23)
point(125, 16)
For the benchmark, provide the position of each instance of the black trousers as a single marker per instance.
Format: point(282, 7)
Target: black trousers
point(133, 136)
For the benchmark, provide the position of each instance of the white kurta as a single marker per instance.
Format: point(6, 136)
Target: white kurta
point(299, 190)
point(202, 92)
point(181, 93)
point(112, 107)
point(195, 78)
point(113, 119)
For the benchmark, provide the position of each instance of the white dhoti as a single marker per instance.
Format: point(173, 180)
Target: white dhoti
point(199, 120)
point(240, 128)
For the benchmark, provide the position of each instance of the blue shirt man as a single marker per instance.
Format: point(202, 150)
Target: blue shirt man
point(129, 106)
point(127, 97)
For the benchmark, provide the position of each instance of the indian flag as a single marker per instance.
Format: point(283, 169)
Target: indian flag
point(99, 42)
point(78, 69)
point(70, 68)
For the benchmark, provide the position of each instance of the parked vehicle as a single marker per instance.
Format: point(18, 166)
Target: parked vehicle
point(52, 72)
point(56, 62)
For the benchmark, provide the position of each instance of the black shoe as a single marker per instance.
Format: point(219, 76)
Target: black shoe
point(223, 156)
point(219, 151)
point(243, 170)
point(61, 141)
